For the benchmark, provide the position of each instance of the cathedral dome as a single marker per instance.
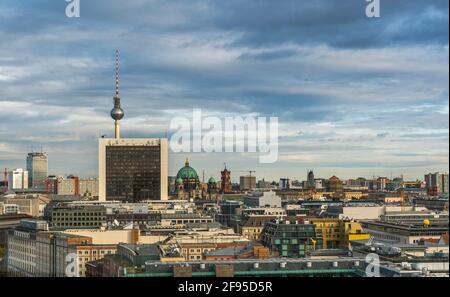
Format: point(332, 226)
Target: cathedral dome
point(211, 180)
point(187, 173)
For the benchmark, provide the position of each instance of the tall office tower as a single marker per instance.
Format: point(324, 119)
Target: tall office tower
point(131, 169)
point(18, 179)
point(437, 183)
point(37, 167)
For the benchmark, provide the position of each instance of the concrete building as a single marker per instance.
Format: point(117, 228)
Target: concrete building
point(37, 167)
point(409, 231)
point(88, 187)
point(31, 206)
point(78, 216)
point(17, 179)
point(133, 169)
point(9, 209)
point(264, 199)
point(437, 183)
point(195, 246)
point(252, 268)
point(21, 247)
point(247, 183)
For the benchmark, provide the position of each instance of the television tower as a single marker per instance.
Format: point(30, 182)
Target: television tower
point(117, 112)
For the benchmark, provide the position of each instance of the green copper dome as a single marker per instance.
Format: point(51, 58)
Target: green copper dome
point(211, 180)
point(179, 181)
point(187, 172)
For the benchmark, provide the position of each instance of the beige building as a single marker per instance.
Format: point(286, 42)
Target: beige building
point(100, 236)
point(88, 187)
point(133, 169)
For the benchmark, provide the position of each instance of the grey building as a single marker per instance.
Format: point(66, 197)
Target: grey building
point(78, 216)
point(437, 182)
point(265, 199)
point(247, 183)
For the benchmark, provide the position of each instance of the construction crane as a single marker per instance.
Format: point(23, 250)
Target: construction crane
point(249, 171)
point(402, 200)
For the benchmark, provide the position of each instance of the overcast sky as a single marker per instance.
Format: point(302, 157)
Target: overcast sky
point(354, 96)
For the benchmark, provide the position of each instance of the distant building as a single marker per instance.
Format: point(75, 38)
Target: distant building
point(437, 183)
point(72, 185)
point(187, 182)
point(226, 186)
point(285, 183)
point(319, 183)
point(133, 169)
point(381, 183)
point(334, 184)
point(263, 184)
point(88, 187)
point(247, 183)
point(37, 167)
point(264, 199)
point(310, 181)
point(17, 179)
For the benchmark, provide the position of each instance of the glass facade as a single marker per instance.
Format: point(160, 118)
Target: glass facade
point(37, 167)
point(133, 173)
point(291, 240)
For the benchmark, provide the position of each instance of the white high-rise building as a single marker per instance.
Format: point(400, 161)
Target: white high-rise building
point(18, 179)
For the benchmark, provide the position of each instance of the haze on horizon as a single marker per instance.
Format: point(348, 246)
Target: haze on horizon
point(354, 96)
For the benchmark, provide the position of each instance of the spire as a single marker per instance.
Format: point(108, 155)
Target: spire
point(117, 73)
point(117, 112)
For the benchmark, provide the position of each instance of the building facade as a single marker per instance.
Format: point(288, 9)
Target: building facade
point(247, 183)
point(82, 216)
point(37, 167)
point(133, 169)
point(291, 239)
point(437, 183)
point(18, 179)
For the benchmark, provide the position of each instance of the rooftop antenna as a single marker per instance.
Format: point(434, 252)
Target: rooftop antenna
point(117, 112)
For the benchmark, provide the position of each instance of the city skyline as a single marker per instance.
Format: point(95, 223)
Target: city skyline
point(348, 105)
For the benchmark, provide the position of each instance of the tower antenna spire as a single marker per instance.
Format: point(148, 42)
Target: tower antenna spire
point(117, 72)
point(117, 112)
